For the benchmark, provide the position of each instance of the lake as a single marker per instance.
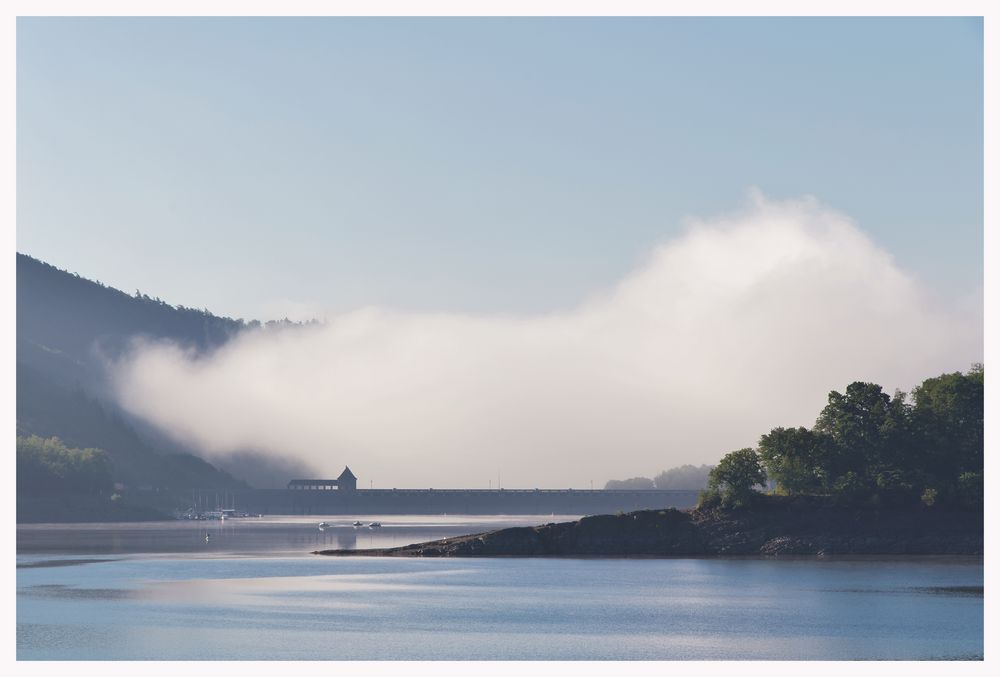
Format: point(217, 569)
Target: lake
point(162, 591)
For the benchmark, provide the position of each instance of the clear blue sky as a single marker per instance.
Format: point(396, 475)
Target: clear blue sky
point(512, 165)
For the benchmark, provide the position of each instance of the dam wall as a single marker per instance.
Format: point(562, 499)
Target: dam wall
point(459, 501)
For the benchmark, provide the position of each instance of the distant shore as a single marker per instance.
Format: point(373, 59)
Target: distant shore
point(71, 509)
point(773, 526)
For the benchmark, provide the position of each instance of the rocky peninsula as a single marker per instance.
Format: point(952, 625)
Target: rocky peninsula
point(772, 526)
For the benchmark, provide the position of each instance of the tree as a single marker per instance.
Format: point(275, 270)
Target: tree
point(970, 489)
point(871, 434)
point(736, 476)
point(683, 477)
point(868, 446)
point(948, 419)
point(799, 460)
point(47, 466)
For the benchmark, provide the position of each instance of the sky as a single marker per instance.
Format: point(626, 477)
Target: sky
point(558, 250)
point(268, 167)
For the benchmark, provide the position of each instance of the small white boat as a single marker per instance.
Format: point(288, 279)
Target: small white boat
point(324, 525)
point(374, 525)
point(357, 523)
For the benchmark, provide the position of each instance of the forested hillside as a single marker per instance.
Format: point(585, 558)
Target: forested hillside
point(66, 324)
point(68, 328)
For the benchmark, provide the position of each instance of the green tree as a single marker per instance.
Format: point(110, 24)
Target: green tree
point(948, 419)
point(47, 466)
point(736, 476)
point(867, 445)
point(871, 434)
point(800, 461)
point(970, 489)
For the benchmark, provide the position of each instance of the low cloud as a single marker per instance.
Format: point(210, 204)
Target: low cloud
point(741, 324)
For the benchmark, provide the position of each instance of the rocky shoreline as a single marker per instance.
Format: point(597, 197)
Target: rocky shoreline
point(776, 526)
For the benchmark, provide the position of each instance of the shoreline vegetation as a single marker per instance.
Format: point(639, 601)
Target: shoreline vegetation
point(57, 483)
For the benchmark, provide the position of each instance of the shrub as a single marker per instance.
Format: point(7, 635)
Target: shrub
point(709, 499)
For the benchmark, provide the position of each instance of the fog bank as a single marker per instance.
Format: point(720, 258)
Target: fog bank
point(743, 323)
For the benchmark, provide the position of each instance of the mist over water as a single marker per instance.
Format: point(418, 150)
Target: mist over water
point(744, 323)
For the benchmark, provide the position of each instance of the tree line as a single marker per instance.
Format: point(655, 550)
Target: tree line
point(682, 477)
point(869, 447)
point(46, 466)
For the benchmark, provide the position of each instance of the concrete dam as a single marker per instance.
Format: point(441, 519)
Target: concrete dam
point(458, 501)
point(341, 496)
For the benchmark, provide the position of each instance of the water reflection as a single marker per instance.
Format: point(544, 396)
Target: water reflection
point(271, 535)
point(57, 591)
point(44, 563)
point(347, 539)
point(275, 608)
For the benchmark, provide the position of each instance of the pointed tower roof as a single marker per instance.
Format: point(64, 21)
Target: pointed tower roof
point(347, 474)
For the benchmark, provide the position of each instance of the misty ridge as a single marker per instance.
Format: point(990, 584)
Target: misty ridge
point(68, 330)
point(744, 322)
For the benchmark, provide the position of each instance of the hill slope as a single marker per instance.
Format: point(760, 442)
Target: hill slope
point(68, 328)
point(67, 325)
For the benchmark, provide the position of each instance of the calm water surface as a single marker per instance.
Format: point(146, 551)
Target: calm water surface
point(252, 591)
